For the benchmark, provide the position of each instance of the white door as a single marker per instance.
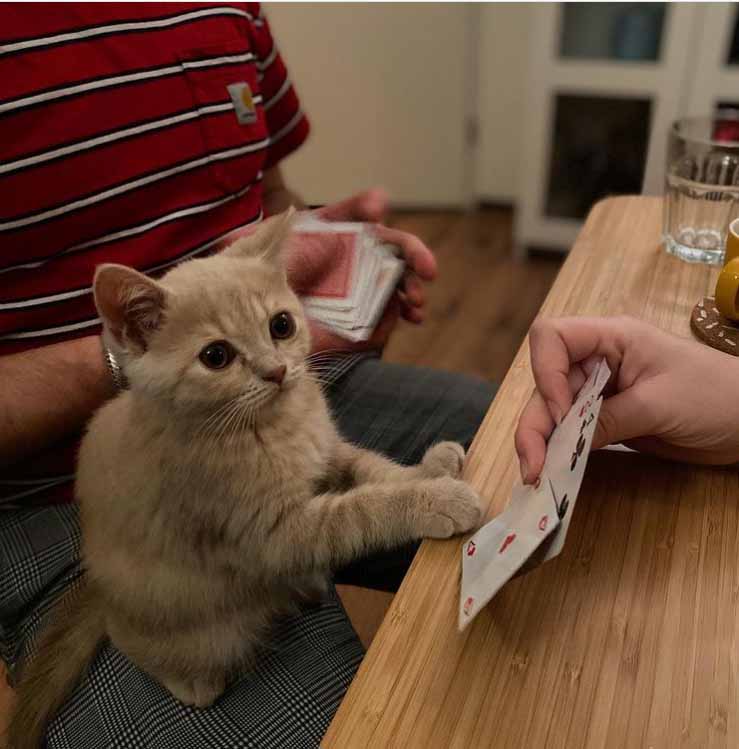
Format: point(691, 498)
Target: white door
point(388, 88)
point(715, 61)
point(626, 80)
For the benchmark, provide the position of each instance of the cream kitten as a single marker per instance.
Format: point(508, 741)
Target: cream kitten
point(216, 493)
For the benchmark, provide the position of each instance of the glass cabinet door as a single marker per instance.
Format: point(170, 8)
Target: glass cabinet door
point(599, 148)
point(612, 31)
point(606, 81)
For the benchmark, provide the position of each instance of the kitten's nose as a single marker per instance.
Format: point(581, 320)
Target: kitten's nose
point(277, 375)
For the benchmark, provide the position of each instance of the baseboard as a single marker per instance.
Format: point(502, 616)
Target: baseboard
point(546, 251)
point(488, 204)
point(403, 207)
point(479, 205)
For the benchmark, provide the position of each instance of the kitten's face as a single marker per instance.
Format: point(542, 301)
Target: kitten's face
point(220, 335)
point(233, 333)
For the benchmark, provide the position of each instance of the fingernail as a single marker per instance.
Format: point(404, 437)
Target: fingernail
point(524, 469)
point(556, 411)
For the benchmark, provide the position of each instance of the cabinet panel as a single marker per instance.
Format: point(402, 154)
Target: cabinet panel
point(613, 31)
point(604, 157)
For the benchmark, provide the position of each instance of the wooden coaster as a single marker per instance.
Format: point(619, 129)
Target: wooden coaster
point(713, 329)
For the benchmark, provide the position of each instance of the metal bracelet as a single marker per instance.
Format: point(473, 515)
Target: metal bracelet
point(116, 373)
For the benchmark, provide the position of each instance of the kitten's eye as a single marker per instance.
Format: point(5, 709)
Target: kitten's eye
point(282, 325)
point(217, 355)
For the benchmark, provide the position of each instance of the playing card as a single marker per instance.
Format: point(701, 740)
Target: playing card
point(568, 450)
point(534, 526)
point(352, 296)
point(493, 555)
point(354, 327)
point(339, 288)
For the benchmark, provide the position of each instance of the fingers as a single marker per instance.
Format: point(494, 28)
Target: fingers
point(551, 364)
point(419, 258)
point(415, 315)
point(386, 325)
point(625, 416)
point(413, 290)
point(534, 427)
point(536, 424)
point(556, 345)
point(370, 206)
point(412, 297)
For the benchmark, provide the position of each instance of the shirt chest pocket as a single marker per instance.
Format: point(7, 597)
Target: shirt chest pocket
point(224, 82)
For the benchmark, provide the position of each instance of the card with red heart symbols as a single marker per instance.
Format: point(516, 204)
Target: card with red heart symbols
point(494, 554)
point(533, 527)
point(351, 296)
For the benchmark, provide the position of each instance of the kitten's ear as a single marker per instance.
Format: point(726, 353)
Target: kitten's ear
point(267, 240)
point(131, 304)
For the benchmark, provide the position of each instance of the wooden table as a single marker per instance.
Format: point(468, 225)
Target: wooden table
point(630, 638)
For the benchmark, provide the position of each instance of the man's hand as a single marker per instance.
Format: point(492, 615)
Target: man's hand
point(667, 396)
point(408, 302)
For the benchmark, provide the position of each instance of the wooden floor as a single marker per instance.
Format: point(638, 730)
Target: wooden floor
point(478, 312)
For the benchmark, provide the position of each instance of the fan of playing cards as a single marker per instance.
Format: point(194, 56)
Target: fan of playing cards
point(352, 296)
point(537, 513)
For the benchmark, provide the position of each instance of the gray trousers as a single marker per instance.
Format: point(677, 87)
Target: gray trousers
point(289, 699)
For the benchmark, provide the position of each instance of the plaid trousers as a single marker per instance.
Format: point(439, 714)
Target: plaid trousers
point(288, 700)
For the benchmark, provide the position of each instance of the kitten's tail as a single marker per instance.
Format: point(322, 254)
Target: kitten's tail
point(66, 649)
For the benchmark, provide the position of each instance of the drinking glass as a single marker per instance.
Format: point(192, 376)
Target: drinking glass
point(702, 186)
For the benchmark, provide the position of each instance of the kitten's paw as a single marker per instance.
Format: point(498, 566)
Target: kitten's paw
point(195, 692)
point(444, 459)
point(449, 507)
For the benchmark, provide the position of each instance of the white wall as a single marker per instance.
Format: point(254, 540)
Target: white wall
point(386, 87)
point(382, 85)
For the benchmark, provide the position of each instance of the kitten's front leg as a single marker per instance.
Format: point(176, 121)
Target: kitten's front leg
point(444, 459)
point(336, 528)
point(355, 465)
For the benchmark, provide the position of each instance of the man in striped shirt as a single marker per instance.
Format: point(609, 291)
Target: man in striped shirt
point(146, 134)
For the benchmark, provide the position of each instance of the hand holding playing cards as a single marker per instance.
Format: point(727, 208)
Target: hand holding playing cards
point(372, 206)
point(533, 527)
point(306, 265)
point(668, 396)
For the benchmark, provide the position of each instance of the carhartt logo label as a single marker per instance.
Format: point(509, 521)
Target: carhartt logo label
point(246, 111)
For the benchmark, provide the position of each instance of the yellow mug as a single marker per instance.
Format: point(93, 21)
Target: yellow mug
point(727, 286)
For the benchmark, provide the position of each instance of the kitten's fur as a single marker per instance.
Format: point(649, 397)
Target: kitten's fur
point(213, 500)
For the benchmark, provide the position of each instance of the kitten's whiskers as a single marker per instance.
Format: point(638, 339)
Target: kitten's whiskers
point(212, 421)
point(338, 366)
point(227, 429)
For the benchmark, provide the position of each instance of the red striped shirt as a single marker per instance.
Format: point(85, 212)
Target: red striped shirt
point(120, 141)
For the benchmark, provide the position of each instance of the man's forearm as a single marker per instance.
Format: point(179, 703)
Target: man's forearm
point(47, 393)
